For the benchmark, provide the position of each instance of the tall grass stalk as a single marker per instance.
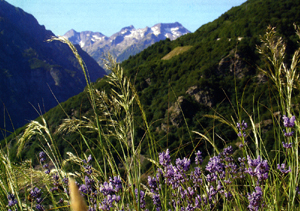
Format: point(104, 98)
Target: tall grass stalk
point(285, 79)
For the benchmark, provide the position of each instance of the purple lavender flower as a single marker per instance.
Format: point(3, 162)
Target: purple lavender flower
point(228, 151)
point(258, 168)
point(240, 134)
point(242, 126)
point(88, 181)
point(55, 177)
point(282, 168)
point(107, 189)
point(287, 145)
point(288, 134)
point(36, 193)
point(228, 194)
point(84, 189)
point(215, 165)
point(39, 207)
point(116, 182)
point(164, 158)
point(89, 159)
point(107, 202)
point(66, 180)
point(156, 201)
point(42, 154)
point(211, 177)
point(89, 170)
point(198, 158)
point(183, 164)
point(11, 200)
point(196, 177)
point(152, 182)
point(198, 201)
point(142, 198)
point(297, 190)
point(255, 199)
point(288, 122)
point(174, 177)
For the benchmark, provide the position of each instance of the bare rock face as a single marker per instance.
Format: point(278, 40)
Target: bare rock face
point(234, 63)
point(175, 113)
point(202, 97)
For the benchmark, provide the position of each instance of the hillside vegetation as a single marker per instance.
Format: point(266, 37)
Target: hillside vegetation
point(176, 51)
point(217, 74)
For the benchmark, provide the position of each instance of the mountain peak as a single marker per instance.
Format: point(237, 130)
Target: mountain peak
point(128, 41)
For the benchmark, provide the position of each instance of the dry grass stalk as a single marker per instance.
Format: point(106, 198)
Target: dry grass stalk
point(77, 202)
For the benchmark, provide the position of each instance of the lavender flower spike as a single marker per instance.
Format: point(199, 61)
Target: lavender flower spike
point(287, 145)
point(288, 122)
point(282, 168)
point(255, 199)
point(164, 158)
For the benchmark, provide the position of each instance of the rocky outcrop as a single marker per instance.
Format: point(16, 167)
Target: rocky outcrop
point(233, 63)
point(202, 97)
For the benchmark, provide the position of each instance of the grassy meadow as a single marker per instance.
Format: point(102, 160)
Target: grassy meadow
point(248, 178)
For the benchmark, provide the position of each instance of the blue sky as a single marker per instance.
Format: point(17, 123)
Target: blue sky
point(109, 16)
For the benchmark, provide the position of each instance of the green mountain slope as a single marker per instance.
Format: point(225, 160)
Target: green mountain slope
point(31, 68)
point(219, 68)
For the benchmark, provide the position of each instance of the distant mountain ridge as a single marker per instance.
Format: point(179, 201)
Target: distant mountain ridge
point(127, 42)
point(30, 67)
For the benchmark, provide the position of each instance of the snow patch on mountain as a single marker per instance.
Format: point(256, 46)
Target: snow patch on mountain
point(96, 44)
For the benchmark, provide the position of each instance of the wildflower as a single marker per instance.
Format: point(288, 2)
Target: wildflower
point(255, 199)
point(89, 170)
point(36, 193)
point(142, 198)
point(288, 122)
point(228, 151)
point(287, 145)
point(107, 189)
point(196, 177)
point(152, 182)
point(39, 207)
point(116, 182)
point(198, 158)
point(11, 200)
point(66, 180)
point(297, 190)
point(282, 168)
point(258, 168)
point(156, 201)
point(215, 165)
point(107, 203)
point(84, 189)
point(42, 154)
point(88, 159)
point(242, 127)
point(288, 134)
point(164, 158)
point(198, 201)
point(228, 194)
point(183, 164)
